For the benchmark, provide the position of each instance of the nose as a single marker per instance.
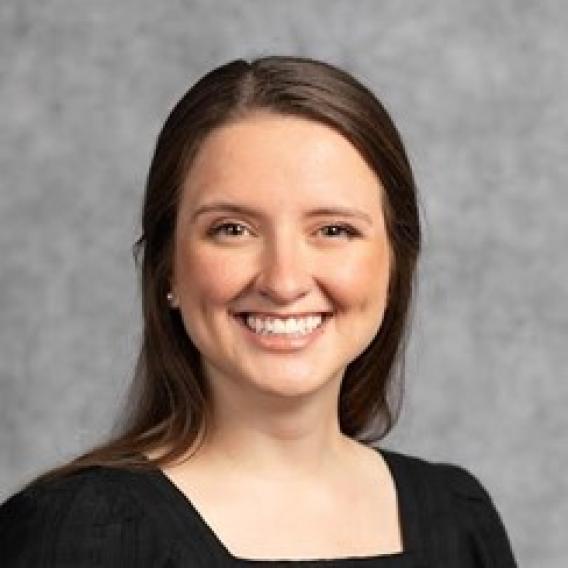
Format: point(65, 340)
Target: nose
point(285, 272)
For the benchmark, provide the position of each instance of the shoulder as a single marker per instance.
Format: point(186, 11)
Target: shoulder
point(94, 495)
point(453, 478)
point(454, 493)
point(87, 518)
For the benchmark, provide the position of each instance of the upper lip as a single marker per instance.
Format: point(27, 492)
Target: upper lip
point(283, 316)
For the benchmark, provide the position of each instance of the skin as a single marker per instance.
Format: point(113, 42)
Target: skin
point(275, 414)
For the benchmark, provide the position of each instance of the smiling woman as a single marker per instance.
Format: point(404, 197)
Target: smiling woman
point(285, 181)
point(280, 235)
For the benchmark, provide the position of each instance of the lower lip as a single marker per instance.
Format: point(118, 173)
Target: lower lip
point(282, 343)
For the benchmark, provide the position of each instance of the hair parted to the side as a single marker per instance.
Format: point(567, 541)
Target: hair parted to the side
point(167, 405)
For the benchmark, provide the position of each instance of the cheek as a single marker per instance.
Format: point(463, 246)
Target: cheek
point(362, 278)
point(201, 276)
point(359, 280)
point(205, 283)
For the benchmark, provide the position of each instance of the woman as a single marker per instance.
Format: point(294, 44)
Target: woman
point(279, 244)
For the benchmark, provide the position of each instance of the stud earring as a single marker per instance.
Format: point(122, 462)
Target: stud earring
point(170, 296)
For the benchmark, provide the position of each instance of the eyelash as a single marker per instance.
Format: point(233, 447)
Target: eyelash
point(349, 231)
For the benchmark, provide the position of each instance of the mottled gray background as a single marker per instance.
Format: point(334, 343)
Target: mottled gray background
point(478, 90)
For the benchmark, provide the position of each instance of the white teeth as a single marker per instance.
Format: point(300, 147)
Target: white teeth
point(289, 326)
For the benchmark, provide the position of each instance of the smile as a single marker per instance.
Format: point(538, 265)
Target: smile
point(283, 326)
point(282, 334)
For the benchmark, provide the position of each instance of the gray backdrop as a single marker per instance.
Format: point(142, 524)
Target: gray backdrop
point(478, 90)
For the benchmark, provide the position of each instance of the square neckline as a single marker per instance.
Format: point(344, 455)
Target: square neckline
point(402, 559)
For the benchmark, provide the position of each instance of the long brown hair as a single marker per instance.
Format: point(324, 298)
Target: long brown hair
point(167, 405)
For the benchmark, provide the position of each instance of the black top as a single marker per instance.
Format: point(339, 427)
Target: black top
point(111, 518)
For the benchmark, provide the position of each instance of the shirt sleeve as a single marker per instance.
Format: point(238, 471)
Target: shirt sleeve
point(485, 533)
point(81, 522)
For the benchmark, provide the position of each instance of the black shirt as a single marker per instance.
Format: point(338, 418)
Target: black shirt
point(109, 517)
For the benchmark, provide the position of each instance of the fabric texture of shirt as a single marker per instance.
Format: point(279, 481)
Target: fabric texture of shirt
point(109, 517)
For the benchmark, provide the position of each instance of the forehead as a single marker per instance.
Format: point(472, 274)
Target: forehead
point(277, 156)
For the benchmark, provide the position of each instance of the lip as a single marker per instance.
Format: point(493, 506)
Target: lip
point(281, 344)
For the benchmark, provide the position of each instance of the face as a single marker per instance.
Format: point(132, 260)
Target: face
point(280, 250)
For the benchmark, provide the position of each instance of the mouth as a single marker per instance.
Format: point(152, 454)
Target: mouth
point(242, 316)
point(283, 342)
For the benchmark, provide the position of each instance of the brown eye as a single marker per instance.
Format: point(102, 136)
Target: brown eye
point(236, 229)
point(222, 229)
point(349, 231)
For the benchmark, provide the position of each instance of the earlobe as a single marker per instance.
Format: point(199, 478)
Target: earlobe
point(172, 299)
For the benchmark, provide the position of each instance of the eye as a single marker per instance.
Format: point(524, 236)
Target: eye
point(218, 229)
point(349, 231)
point(228, 229)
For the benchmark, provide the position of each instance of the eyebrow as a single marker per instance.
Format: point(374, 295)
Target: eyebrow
point(243, 209)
